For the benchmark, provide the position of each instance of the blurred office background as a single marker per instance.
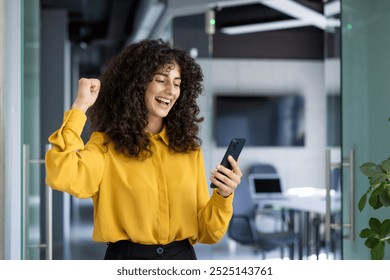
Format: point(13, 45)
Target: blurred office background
point(305, 81)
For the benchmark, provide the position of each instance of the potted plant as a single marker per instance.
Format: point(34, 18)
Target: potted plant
point(377, 234)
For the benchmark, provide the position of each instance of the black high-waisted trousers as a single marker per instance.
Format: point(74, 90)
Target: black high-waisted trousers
point(127, 250)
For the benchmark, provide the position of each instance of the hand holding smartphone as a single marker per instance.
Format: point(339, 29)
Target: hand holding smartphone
point(234, 149)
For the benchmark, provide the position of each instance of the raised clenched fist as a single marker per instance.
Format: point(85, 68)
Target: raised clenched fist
point(87, 93)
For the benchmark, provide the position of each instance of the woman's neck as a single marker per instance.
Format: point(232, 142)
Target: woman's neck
point(155, 126)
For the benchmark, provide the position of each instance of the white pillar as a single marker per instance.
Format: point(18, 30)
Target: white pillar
point(10, 71)
point(2, 70)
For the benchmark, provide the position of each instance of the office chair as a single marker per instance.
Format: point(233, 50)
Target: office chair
point(265, 177)
point(243, 230)
point(262, 168)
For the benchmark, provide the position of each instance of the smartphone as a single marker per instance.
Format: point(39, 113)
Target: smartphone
point(234, 149)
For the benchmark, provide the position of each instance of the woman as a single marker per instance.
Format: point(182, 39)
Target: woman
point(143, 166)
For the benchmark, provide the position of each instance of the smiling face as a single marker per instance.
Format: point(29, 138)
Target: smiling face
point(160, 96)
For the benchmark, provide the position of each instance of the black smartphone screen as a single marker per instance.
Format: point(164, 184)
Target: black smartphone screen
point(234, 149)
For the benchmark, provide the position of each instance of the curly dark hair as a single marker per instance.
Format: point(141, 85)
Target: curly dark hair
point(120, 111)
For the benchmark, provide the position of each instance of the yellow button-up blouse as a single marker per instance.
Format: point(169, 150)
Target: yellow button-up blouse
point(158, 200)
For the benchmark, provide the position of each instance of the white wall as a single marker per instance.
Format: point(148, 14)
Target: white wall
point(298, 166)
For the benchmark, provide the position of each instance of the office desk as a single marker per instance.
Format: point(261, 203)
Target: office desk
point(307, 209)
point(312, 204)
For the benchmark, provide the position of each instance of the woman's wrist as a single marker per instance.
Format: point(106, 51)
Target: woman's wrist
point(80, 106)
point(224, 195)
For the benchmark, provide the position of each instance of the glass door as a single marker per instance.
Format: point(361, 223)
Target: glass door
point(365, 110)
point(35, 195)
point(333, 165)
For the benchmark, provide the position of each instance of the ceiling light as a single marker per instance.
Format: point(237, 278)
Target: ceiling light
point(332, 8)
point(303, 17)
point(268, 26)
point(298, 11)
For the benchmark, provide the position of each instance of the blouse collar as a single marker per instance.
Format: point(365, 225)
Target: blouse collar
point(161, 135)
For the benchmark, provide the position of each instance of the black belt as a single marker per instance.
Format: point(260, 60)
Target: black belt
point(143, 250)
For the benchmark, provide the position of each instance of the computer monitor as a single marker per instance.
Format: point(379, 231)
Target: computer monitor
point(265, 186)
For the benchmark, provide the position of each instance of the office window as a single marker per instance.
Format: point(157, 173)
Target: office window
point(264, 120)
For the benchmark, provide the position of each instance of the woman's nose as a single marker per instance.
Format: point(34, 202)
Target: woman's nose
point(169, 87)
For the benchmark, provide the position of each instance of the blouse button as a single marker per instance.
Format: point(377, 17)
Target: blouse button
point(160, 250)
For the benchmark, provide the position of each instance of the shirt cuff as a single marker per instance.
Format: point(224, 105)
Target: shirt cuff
point(221, 201)
point(75, 120)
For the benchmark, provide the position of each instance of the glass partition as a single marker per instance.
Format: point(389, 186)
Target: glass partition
point(36, 234)
point(333, 235)
point(365, 110)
